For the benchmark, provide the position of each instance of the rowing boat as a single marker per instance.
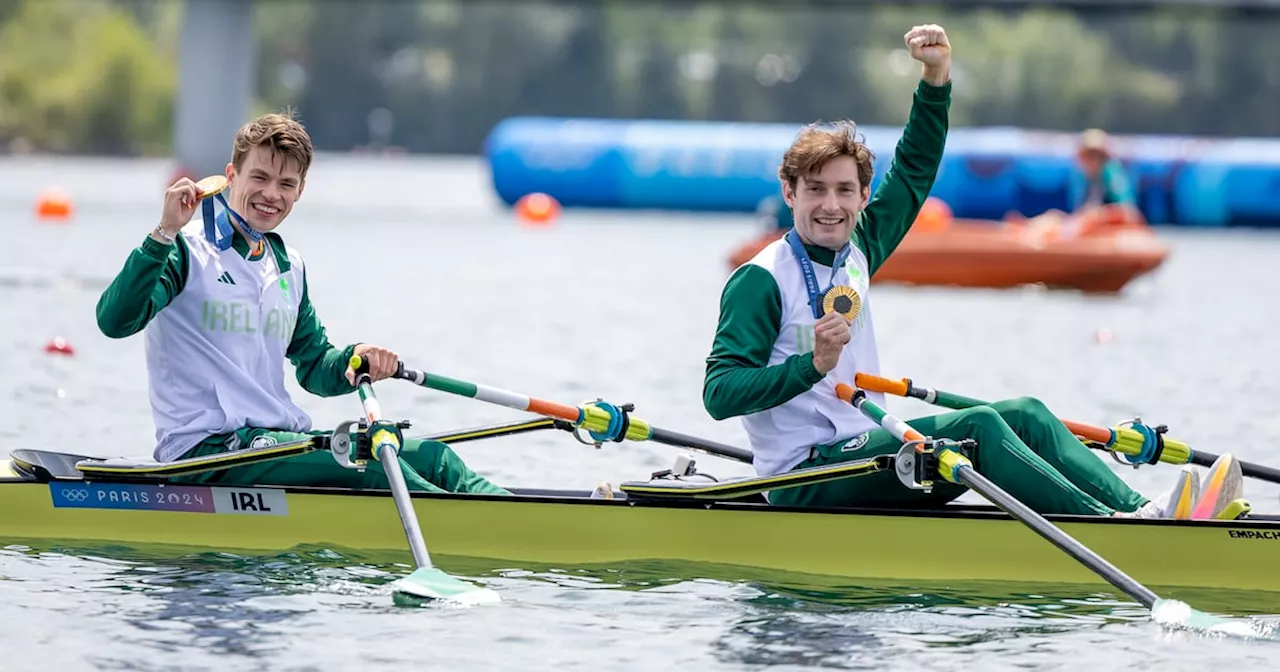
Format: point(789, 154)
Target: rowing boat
point(679, 514)
point(682, 515)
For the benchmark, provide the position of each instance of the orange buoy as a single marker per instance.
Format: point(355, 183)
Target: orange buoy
point(53, 205)
point(59, 346)
point(537, 209)
point(934, 215)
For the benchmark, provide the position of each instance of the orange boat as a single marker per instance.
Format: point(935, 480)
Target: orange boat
point(1099, 251)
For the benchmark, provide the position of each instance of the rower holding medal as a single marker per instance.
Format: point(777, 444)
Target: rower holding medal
point(222, 303)
point(796, 321)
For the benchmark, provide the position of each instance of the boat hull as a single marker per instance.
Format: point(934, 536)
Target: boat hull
point(990, 255)
point(543, 528)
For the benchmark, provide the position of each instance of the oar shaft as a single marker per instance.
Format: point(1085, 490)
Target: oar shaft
point(961, 470)
point(1121, 439)
point(983, 486)
point(905, 388)
point(389, 456)
point(590, 417)
point(670, 438)
point(493, 431)
point(488, 394)
point(386, 444)
point(1250, 469)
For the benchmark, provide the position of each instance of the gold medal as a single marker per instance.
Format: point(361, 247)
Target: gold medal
point(843, 300)
point(210, 186)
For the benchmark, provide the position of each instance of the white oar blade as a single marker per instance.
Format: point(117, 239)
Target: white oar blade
point(429, 585)
point(1179, 615)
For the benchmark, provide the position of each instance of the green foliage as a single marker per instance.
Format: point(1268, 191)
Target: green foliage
point(98, 76)
point(83, 76)
point(1041, 65)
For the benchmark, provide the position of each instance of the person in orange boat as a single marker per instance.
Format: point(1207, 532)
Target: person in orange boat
point(1101, 180)
point(1102, 194)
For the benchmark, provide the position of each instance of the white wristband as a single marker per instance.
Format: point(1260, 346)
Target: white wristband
point(160, 233)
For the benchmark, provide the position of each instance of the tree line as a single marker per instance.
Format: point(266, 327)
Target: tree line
point(100, 76)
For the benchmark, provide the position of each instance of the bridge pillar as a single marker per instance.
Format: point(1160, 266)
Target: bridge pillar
point(216, 83)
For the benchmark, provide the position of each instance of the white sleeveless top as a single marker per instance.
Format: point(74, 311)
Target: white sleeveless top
point(215, 355)
point(782, 436)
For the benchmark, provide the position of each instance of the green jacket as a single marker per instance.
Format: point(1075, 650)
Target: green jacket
point(738, 379)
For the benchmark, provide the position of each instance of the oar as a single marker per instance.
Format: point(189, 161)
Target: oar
point(504, 429)
point(605, 422)
point(956, 468)
point(1145, 445)
point(426, 583)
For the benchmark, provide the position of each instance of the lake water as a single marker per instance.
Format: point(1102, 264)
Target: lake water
point(416, 254)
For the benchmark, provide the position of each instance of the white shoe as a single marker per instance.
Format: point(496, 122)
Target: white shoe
point(1151, 509)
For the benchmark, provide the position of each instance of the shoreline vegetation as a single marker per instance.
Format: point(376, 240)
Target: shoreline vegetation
point(99, 77)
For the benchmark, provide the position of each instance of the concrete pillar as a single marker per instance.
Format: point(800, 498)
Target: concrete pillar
point(216, 83)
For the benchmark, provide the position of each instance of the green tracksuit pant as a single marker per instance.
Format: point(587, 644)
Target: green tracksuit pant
point(428, 466)
point(1022, 448)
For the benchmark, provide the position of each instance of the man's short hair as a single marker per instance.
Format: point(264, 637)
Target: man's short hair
point(816, 145)
point(281, 132)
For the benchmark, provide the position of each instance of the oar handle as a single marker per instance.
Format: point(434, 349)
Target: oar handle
point(364, 386)
point(905, 388)
point(901, 387)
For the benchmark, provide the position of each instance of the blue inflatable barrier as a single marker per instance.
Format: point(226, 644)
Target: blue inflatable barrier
point(985, 172)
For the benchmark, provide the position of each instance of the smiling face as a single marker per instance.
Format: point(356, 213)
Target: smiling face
point(269, 162)
point(826, 177)
point(826, 203)
point(265, 187)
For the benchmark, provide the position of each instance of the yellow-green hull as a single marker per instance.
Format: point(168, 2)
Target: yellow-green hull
point(568, 529)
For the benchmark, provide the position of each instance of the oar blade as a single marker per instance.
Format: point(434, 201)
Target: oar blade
point(429, 585)
point(1180, 616)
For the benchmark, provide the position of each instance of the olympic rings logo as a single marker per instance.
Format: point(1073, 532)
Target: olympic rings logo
point(76, 494)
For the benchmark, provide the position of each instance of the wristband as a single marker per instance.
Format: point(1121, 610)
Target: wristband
point(168, 239)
